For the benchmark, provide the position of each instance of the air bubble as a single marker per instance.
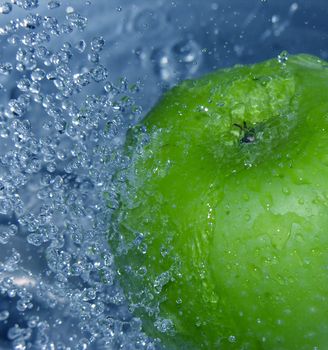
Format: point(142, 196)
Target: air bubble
point(24, 84)
point(283, 58)
point(27, 4)
point(99, 73)
point(31, 21)
point(53, 4)
point(93, 57)
point(81, 45)
point(161, 281)
point(187, 51)
point(293, 7)
point(97, 43)
point(76, 20)
point(232, 339)
point(4, 315)
point(165, 325)
point(5, 7)
point(6, 68)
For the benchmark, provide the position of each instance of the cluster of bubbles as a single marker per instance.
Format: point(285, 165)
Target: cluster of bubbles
point(62, 124)
point(63, 119)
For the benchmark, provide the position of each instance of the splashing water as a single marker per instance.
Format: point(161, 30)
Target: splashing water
point(69, 90)
point(62, 121)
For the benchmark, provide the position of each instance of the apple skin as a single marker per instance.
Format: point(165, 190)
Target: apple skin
point(221, 237)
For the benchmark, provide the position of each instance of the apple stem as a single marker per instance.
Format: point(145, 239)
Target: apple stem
point(248, 134)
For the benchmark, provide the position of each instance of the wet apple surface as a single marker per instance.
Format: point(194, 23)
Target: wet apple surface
point(221, 236)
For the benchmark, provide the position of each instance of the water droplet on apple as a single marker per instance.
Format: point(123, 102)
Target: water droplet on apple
point(164, 325)
point(232, 339)
point(286, 190)
point(247, 217)
point(161, 281)
point(283, 58)
point(279, 322)
point(245, 197)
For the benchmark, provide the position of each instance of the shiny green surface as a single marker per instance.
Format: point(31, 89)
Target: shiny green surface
point(222, 233)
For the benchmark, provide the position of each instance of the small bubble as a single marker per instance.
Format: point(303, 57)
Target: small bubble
point(247, 217)
point(83, 344)
point(75, 19)
point(283, 58)
point(14, 332)
point(186, 51)
point(35, 239)
point(232, 339)
point(33, 321)
point(6, 68)
point(93, 57)
point(293, 7)
point(53, 4)
point(82, 79)
point(286, 190)
point(97, 43)
point(214, 6)
point(275, 19)
point(27, 4)
point(31, 21)
point(81, 46)
point(24, 84)
point(5, 8)
point(146, 20)
point(246, 197)
point(69, 9)
point(161, 281)
point(99, 73)
point(4, 315)
point(38, 74)
point(164, 325)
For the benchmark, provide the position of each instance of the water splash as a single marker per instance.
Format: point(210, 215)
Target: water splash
point(59, 149)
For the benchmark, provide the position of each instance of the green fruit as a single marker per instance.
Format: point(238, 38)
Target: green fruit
point(221, 238)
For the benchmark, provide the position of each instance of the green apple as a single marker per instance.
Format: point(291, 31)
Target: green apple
point(221, 238)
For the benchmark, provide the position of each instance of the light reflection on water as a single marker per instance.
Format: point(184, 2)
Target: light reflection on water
point(73, 78)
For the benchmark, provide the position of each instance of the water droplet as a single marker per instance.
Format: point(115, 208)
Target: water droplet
point(99, 73)
point(5, 7)
point(164, 325)
point(76, 20)
point(283, 58)
point(4, 315)
point(275, 19)
point(286, 190)
point(97, 43)
point(27, 4)
point(53, 4)
point(6, 68)
point(161, 281)
point(81, 45)
point(232, 339)
point(293, 7)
